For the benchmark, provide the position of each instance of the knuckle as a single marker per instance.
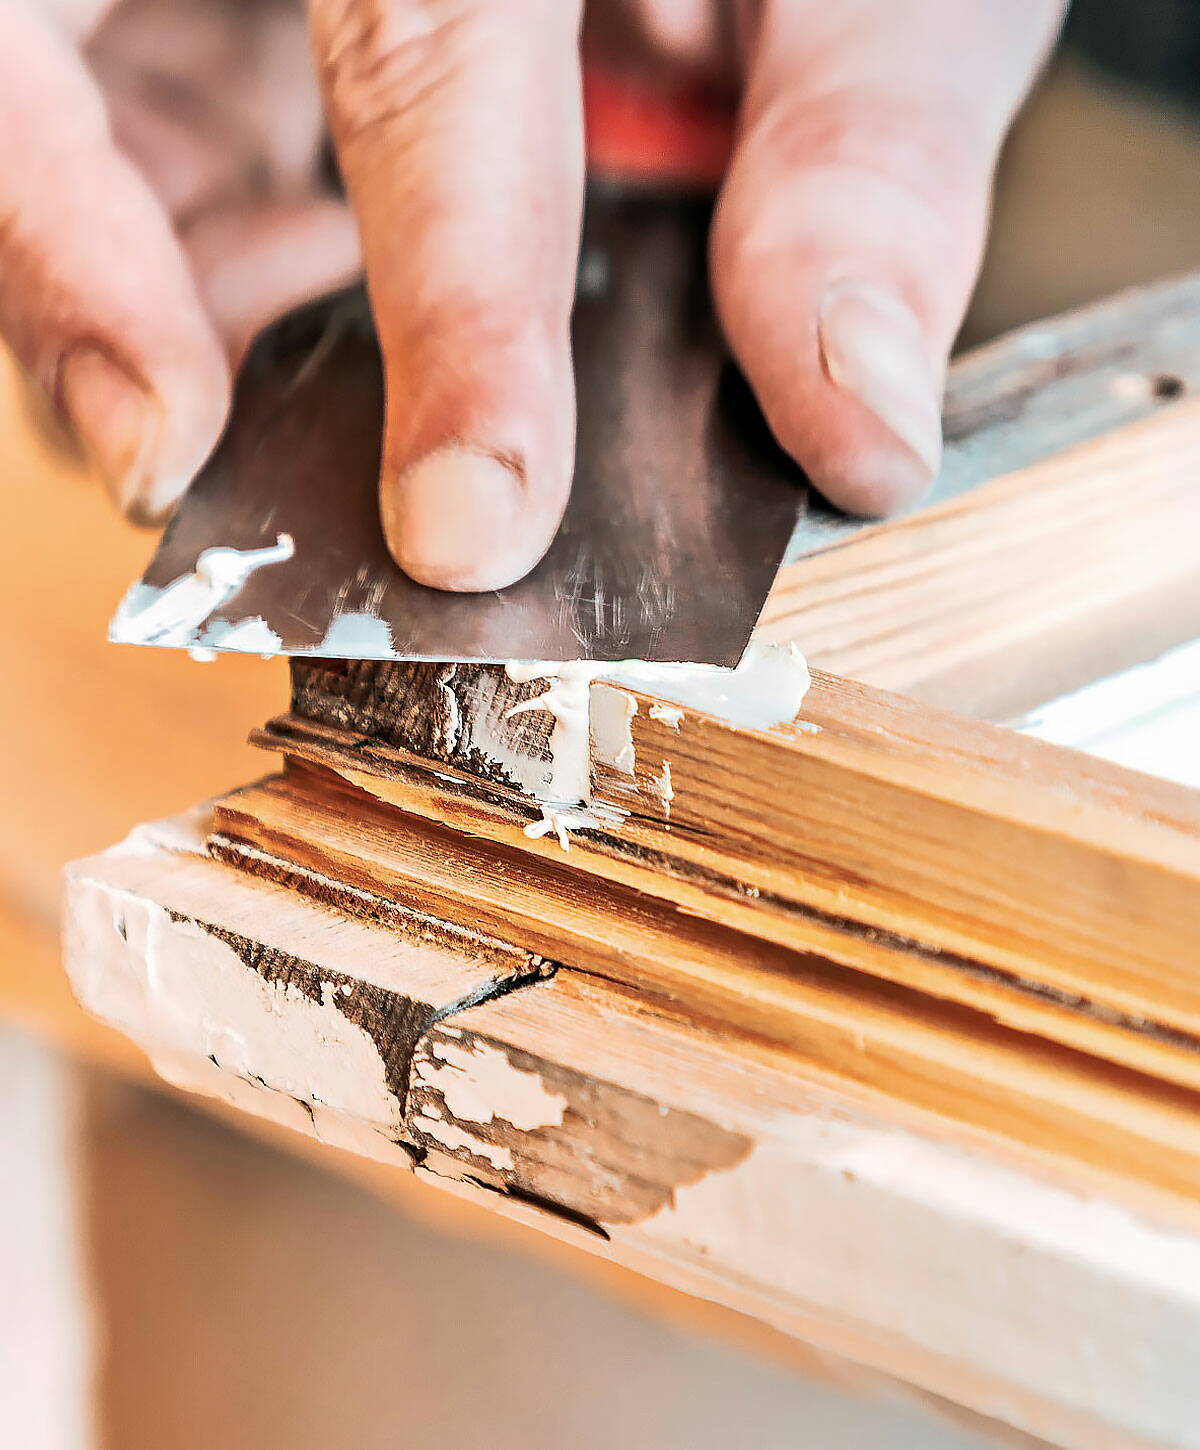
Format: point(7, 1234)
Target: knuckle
point(378, 59)
point(9, 220)
point(916, 140)
point(893, 171)
point(32, 311)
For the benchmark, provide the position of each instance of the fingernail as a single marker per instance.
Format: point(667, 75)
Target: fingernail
point(872, 347)
point(453, 520)
point(117, 421)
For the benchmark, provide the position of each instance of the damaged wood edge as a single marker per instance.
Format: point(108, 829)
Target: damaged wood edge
point(1012, 999)
point(794, 867)
point(302, 741)
point(592, 1152)
point(459, 1104)
point(836, 1217)
point(453, 714)
point(452, 1127)
point(420, 970)
point(1015, 1002)
point(273, 964)
point(252, 836)
point(364, 902)
point(396, 1024)
point(1072, 1089)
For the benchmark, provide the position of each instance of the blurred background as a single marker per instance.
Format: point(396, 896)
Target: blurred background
point(167, 1280)
point(1098, 187)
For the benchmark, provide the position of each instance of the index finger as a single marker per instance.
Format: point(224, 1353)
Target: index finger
point(457, 125)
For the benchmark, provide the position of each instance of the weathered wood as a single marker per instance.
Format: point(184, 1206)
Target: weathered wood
point(1063, 380)
point(690, 1154)
point(1057, 894)
point(904, 1043)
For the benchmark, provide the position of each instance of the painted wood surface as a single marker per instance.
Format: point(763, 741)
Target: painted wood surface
point(689, 1153)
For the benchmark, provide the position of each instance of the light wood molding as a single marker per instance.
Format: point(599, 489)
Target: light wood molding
point(1072, 555)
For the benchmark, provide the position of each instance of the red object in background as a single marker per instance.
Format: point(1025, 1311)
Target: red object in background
point(640, 130)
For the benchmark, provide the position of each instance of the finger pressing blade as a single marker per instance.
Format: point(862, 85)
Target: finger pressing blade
point(680, 514)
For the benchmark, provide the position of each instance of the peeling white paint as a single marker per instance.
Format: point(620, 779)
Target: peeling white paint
point(181, 991)
point(451, 1136)
point(479, 1084)
point(327, 1125)
point(173, 614)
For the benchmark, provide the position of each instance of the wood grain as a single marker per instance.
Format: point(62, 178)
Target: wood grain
point(1067, 559)
point(843, 1218)
point(1054, 893)
point(1027, 587)
point(842, 1024)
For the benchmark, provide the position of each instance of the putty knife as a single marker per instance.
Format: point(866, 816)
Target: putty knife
point(681, 510)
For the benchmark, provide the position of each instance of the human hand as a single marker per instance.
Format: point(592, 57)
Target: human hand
point(160, 201)
point(135, 264)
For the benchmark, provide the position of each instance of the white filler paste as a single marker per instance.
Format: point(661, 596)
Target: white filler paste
point(765, 689)
point(171, 615)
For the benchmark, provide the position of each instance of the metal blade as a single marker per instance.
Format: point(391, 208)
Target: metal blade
point(680, 514)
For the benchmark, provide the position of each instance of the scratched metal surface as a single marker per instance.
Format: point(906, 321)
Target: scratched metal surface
point(681, 510)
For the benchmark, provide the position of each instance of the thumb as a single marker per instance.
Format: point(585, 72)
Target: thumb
point(849, 232)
